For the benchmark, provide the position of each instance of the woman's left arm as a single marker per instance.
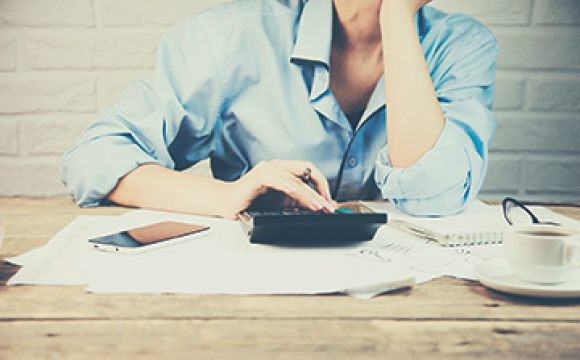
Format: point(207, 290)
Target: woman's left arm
point(439, 92)
point(415, 118)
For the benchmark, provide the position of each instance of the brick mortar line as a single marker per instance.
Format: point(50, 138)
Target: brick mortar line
point(297, 318)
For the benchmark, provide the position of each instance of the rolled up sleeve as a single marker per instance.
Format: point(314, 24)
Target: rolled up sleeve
point(450, 175)
point(180, 100)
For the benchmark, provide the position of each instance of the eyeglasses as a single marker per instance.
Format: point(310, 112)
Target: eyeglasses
point(516, 212)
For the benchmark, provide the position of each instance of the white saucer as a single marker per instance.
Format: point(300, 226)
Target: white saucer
point(499, 276)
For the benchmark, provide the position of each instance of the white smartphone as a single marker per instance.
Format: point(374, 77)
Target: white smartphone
point(146, 238)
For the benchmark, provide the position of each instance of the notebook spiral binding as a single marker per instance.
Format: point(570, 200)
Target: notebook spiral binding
point(472, 238)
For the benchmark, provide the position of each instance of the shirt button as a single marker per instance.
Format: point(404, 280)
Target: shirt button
point(352, 162)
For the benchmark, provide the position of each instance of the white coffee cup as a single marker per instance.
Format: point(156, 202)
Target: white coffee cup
point(542, 254)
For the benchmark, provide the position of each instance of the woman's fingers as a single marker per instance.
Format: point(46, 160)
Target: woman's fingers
point(299, 170)
point(321, 183)
point(284, 176)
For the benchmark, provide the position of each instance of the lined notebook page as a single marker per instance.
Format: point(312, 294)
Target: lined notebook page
point(455, 237)
point(479, 224)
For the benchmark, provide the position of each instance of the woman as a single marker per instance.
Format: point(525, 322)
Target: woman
point(269, 89)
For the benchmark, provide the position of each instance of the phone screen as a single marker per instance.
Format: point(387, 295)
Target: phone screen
point(146, 237)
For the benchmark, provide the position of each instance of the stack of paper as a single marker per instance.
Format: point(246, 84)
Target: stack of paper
point(222, 261)
point(218, 261)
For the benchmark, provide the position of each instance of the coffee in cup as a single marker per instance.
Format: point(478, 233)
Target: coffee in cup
point(542, 254)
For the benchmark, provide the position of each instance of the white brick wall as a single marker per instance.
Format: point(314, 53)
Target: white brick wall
point(61, 61)
point(536, 151)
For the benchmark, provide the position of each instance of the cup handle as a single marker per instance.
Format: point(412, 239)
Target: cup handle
point(571, 254)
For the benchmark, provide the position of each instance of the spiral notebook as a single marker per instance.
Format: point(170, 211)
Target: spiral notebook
point(456, 238)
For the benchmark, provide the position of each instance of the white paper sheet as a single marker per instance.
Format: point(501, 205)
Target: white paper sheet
point(228, 264)
point(477, 217)
point(219, 261)
point(429, 260)
point(245, 273)
point(223, 261)
point(67, 258)
point(396, 247)
point(62, 261)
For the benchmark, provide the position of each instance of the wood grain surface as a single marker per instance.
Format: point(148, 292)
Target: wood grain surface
point(443, 319)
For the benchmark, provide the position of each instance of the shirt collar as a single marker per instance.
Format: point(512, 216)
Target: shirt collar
point(313, 43)
point(314, 37)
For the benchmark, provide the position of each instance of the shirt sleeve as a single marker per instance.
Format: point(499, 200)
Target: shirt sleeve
point(167, 119)
point(449, 176)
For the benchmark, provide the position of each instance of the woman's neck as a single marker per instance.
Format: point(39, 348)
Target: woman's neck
point(356, 24)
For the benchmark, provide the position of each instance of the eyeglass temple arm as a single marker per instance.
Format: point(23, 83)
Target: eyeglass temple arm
point(509, 202)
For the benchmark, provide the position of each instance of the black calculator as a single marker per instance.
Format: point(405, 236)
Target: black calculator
point(304, 227)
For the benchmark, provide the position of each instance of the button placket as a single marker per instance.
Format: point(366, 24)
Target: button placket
point(352, 174)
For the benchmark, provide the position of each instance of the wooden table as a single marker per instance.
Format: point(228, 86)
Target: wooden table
point(442, 319)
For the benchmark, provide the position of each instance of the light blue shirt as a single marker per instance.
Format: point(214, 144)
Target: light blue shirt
point(248, 81)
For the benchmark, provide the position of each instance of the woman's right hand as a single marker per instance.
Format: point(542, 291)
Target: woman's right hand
point(278, 183)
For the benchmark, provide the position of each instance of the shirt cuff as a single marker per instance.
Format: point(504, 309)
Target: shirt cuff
point(436, 185)
point(91, 177)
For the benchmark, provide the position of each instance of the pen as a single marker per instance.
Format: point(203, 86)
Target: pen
point(417, 230)
point(306, 178)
